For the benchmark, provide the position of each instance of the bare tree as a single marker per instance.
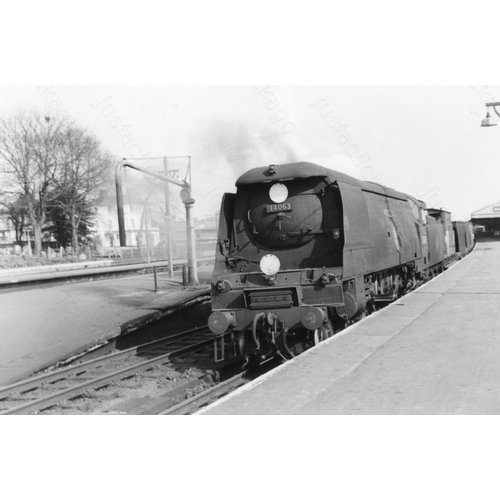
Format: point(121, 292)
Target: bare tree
point(17, 213)
point(30, 147)
point(84, 170)
point(52, 163)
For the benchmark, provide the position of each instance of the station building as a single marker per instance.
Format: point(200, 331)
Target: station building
point(486, 223)
point(147, 228)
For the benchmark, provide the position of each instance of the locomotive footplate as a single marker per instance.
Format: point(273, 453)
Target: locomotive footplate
point(287, 304)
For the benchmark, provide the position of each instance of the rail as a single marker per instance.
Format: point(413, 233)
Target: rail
point(45, 382)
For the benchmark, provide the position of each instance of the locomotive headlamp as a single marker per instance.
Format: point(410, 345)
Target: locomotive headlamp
point(270, 264)
point(278, 193)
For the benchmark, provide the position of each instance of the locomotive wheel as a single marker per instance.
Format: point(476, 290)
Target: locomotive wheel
point(296, 342)
point(242, 345)
point(325, 331)
point(288, 344)
point(300, 340)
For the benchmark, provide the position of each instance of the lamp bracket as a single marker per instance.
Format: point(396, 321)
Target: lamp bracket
point(493, 105)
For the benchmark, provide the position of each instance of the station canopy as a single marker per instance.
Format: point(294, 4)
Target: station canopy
point(489, 212)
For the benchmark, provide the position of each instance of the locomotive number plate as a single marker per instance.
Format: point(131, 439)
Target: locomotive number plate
point(281, 207)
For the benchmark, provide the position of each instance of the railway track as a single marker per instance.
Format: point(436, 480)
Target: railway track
point(207, 396)
point(146, 379)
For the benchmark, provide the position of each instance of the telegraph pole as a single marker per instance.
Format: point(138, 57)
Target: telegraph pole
point(146, 214)
point(188, 201)
point(167, 220)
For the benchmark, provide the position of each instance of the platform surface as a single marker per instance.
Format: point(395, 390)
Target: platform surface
point(42, 325)
point(434, 351)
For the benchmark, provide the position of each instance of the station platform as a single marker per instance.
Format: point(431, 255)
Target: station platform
point(37, 274)
point(42, 325)
point(434, 351)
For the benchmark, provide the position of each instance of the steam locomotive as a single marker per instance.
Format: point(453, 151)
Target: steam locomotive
point(303, 251)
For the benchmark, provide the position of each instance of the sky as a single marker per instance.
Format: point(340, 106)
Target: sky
point(425, 141)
